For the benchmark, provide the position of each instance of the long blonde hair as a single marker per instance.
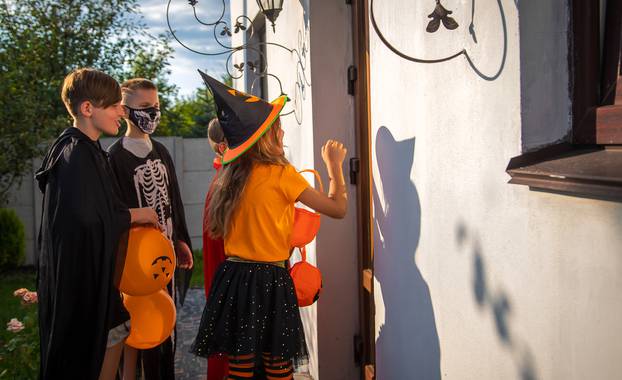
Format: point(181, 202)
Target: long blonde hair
point(230, 185)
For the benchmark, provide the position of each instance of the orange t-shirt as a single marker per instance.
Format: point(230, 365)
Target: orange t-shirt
point(261, 225)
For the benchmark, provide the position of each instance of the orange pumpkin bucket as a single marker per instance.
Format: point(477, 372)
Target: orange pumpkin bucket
point(149, 262)
point(306, 223)
point(307, 280)
point(152, 319)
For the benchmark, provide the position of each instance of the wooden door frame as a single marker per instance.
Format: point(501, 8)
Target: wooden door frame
point(360, 35)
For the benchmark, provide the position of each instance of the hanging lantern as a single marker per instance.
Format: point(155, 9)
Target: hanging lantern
point(271, 9)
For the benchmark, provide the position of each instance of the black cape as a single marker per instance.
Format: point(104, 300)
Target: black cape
point(152, 182)
point(82, 243)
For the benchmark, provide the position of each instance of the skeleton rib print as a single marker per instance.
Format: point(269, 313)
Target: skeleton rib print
point(151, 182)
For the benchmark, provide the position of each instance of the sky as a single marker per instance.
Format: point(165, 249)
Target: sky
point(185, 63)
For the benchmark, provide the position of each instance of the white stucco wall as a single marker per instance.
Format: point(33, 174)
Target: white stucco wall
point(476, 278)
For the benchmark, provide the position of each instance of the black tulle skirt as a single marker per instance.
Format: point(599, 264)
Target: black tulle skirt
point(252, 309)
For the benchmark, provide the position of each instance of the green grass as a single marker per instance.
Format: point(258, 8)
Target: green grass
point(19, 352)
point(197, 272)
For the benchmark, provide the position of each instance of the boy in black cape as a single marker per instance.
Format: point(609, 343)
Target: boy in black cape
point(82, 238)
point(146, 177)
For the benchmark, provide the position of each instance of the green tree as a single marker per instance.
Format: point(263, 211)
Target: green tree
point(41, 41)
point(188, 116)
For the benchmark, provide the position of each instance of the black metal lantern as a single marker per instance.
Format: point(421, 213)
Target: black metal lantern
point(271, 9)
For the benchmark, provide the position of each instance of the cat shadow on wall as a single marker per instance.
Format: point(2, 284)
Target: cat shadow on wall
point(407, 344)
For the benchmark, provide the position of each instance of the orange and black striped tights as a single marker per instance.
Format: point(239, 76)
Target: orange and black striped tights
point(243, 367)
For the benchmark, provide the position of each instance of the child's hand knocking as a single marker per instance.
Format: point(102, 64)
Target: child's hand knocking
point(335, 203)
point(333, 153)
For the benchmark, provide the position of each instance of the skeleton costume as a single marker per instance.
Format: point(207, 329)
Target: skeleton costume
point(146, 176)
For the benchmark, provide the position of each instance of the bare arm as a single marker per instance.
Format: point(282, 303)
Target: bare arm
point(335, 204)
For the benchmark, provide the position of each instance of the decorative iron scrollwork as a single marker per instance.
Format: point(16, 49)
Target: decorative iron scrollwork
point(259, 67)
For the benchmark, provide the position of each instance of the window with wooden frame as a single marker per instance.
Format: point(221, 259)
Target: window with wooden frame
point(591, 164)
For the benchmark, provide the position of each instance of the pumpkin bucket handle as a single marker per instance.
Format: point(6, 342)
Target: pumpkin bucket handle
point(317, 177)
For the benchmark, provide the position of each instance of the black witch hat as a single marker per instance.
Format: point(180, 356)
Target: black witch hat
point(244, 118)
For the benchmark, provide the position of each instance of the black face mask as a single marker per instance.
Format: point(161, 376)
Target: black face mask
point(147, 119)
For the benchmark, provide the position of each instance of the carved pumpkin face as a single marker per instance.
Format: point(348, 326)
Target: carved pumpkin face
point(149, 262)
point(162, 269)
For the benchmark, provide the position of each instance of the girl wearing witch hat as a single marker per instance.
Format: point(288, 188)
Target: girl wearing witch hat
point(251, 314)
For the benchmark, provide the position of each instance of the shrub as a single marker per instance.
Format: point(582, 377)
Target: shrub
point(12, 240)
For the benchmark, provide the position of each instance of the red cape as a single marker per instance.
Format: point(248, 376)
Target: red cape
point(213, 256)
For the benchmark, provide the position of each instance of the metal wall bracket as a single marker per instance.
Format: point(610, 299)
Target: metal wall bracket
point(352, 75)
point(355, 164)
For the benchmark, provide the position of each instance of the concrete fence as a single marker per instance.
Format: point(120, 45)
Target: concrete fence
point(193, 164)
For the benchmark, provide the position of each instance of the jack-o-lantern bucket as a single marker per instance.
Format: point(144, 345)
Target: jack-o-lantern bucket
point(152, 319)
point(306, 223)
point(149, 262)
point(305, 228)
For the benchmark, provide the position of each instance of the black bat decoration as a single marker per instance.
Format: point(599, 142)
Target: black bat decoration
point(440, 14)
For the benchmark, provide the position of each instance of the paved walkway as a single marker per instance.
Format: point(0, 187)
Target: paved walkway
point(187, 365)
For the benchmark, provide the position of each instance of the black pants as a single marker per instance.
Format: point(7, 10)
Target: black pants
point(158, 363)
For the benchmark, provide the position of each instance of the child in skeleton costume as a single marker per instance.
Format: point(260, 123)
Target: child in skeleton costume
point(146, 176)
